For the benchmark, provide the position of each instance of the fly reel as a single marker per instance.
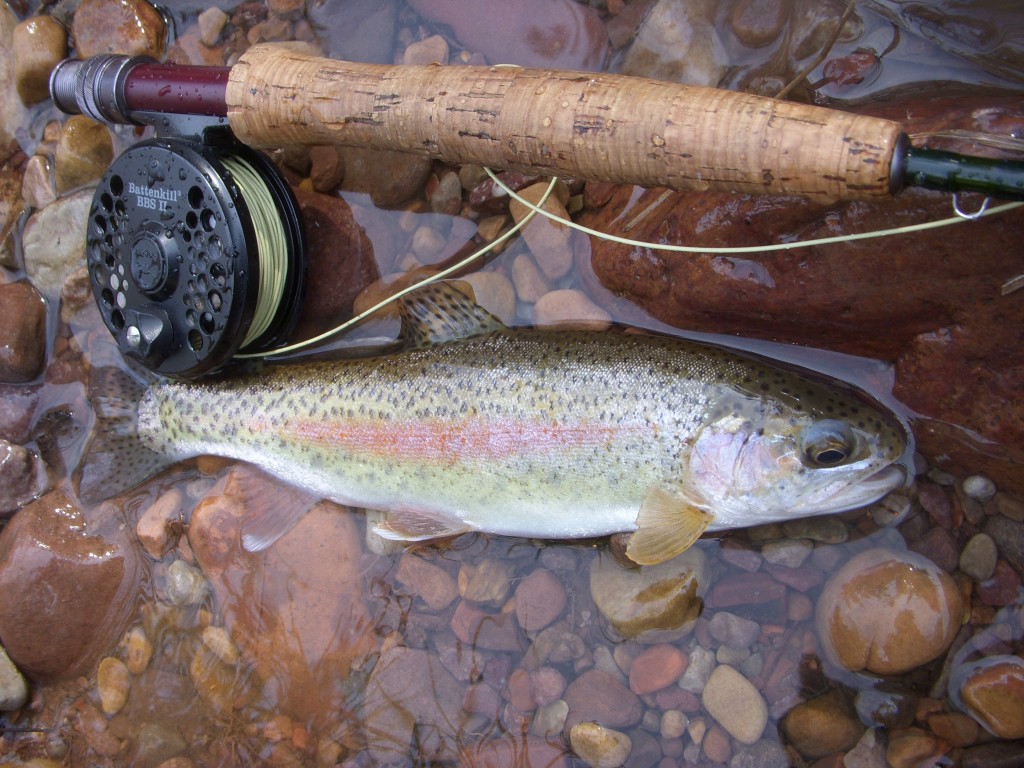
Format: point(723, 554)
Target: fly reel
point(195, 252)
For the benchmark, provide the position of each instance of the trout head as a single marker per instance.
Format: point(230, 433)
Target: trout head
point(759, 460)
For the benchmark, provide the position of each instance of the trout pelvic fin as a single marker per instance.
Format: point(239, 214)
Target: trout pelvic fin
point(667, 525)
point(413, 525)
point(116, 460)
point(442, 312)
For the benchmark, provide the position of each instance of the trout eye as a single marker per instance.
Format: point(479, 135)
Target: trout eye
point(827, 443)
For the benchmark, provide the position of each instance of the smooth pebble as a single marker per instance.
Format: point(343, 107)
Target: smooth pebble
point(598, 746)
point(113, 680)
point(735, 704)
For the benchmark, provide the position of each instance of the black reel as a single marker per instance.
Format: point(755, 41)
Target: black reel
point(196, 252)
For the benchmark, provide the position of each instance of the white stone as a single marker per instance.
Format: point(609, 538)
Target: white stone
point(211, 23)
point(678, 41)
point(13, 690)
point(433, 50)
point(979, 487)
point(54, 242)
point(37, 187)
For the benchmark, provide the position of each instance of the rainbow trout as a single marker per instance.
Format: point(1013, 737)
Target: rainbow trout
point(548, 434)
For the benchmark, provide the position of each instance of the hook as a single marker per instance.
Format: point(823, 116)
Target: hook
point(970, 216)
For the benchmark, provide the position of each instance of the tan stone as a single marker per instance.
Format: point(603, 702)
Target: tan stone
point(548, 240)
point(113, 680)
point(528, 280)
point(12, 110)
point(656, 603)
point(569, 308)
point(735, 704)
point(40, 43)
point(598, 746)
point(495, 293)
point(822, 726)
point(211, 23)
point(433, 50)
point(83, 154)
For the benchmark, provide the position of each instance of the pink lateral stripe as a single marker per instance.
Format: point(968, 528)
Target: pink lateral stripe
point(451, 441)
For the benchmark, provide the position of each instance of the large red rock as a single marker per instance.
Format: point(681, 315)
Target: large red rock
point(341, 262)
point(931, 302)
point(68, 582)
point(295, 610)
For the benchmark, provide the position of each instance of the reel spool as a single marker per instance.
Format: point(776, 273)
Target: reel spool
point(196, 252)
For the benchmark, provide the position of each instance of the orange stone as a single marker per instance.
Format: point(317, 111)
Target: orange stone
point(657, 667)
point(994, 694)
point(888, 612)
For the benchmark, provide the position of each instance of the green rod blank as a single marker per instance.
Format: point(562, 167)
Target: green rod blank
point(935, 169)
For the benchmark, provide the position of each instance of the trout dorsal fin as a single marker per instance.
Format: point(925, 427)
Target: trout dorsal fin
point(444, 311)
point(667, 525)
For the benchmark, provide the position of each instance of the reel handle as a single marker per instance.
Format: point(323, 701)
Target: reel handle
point(589, 125)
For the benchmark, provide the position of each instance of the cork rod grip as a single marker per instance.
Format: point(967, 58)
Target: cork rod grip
point(592, 126)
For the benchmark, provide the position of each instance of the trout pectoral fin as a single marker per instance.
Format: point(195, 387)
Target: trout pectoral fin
point(415, 525)
point(666, 526)
point(271, 510)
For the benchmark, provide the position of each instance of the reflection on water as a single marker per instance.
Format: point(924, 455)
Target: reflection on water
point(891, 635)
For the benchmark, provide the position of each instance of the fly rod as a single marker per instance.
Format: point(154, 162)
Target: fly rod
point(602, 127)
point(195, 245)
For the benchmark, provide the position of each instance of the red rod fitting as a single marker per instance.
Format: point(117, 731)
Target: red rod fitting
point(177, 88)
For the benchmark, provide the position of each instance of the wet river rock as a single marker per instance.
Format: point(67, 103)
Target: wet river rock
point(929, 302)
point(68, 581)
point(887, 612)
point(341, 261)
point(12, 110)
point(40, 42)
point(652, 604)
point(992, 691)
point(22, 332)
point(129, 27)
point(296, 611)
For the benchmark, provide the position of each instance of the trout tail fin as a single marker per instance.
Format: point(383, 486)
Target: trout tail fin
point(115, 460)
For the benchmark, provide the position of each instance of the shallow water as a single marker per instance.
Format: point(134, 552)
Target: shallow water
point(334, 647)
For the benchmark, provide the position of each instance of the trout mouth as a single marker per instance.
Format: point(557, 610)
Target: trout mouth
point(866, 491)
